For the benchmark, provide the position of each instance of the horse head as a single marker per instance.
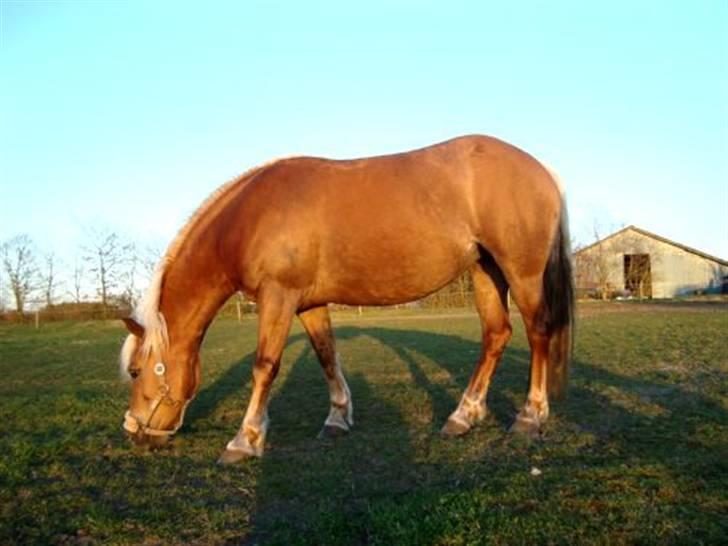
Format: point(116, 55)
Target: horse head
point(163, 378)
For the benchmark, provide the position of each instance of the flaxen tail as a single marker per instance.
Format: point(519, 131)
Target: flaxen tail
point(558, 286)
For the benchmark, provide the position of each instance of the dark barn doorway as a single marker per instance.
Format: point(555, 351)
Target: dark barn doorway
point(638, 275)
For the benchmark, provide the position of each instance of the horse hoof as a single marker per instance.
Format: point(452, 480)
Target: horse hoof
point(230, 456)
point(526, 427)
point(329, 432)
point(453, 428)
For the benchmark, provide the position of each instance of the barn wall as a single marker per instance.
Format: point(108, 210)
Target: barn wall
point(675, 271)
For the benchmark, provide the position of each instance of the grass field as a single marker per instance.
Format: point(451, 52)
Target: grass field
point(637, 454)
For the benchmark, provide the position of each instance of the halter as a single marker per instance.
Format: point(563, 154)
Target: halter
point(132, 423)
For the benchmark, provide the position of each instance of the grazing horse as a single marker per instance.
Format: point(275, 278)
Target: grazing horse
point(297, 234)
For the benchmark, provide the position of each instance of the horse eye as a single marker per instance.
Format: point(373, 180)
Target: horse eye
point(134, 372)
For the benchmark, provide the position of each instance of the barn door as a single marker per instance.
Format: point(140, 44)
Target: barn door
point(638, 275)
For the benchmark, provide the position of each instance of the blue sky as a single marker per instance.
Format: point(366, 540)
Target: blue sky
point(125, 115)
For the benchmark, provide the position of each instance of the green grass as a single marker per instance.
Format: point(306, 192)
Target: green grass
point(637, 454)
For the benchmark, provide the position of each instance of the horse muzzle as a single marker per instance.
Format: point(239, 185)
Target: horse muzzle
point(142, 435)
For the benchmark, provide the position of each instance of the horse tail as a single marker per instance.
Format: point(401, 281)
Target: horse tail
point(558, 290)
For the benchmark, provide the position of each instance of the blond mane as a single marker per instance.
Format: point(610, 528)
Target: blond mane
point(147, 312)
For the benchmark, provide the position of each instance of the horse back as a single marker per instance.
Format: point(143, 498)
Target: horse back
point(384, 229)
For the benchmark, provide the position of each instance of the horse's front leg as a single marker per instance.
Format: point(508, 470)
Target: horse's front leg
point(276, 307)
point(317, 323)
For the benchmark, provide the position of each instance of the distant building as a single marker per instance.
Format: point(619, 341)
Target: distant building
point(635, 262)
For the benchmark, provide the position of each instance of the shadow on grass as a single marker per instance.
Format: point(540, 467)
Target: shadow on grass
point(460, 362)
point(387, 475)
point(231, 383)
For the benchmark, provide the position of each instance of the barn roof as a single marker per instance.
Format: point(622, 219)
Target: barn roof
point(656, 237)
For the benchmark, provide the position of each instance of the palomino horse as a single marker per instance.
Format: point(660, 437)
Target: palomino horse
point(299, 233)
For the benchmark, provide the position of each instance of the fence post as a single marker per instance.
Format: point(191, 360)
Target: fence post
point(37, 319)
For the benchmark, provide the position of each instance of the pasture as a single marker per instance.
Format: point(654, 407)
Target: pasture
point(637, 453)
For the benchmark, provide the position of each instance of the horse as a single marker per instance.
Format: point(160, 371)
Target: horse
point(299, 233)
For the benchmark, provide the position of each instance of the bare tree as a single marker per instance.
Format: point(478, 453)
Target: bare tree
point(104, 253)
point(149, 260)
point(130, 277)
point(592, 266)
point(77, 280)
point(49, 278)
point(19, 264)
point(600, 265)
point(2, 289)
point(140, 264)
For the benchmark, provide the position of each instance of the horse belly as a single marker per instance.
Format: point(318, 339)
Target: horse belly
point(386, 272)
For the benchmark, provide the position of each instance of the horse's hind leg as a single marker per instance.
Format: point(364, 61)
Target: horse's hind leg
point(491, 301)
point(528, 295)
point(276, 307)
point(317, 323)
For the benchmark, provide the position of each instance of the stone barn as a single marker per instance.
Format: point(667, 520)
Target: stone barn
point(635, 262)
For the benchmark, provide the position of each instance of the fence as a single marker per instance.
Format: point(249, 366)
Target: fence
point(457, 294)
point(66, 311)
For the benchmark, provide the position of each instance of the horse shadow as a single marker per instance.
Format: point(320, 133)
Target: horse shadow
point(309, 483)
point(235, 378)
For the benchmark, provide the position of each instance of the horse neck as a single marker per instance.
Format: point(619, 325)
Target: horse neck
point(193, 291)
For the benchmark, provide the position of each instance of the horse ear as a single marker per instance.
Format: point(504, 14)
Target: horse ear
point(134, 327)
